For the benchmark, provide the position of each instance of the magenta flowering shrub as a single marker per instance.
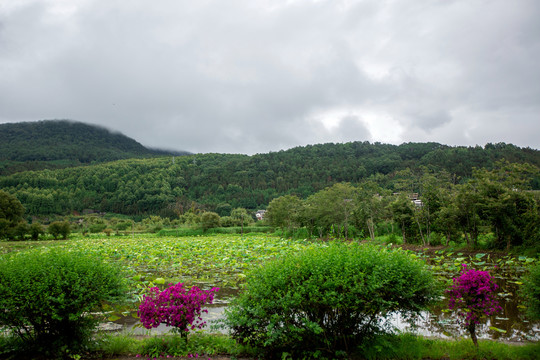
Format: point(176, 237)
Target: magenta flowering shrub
point(175, 306)
point(473, 296)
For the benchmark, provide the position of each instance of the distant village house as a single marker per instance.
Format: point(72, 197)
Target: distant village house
point(260, 214)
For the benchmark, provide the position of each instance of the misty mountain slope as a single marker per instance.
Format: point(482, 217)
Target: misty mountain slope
point(62, 143)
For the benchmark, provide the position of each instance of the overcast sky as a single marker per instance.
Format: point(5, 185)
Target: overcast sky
point(253, 76)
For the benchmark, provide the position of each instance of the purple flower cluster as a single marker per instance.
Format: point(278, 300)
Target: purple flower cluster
point(175, 306)
point(473, 294)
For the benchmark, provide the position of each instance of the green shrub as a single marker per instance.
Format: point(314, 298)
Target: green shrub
point(97, 228)
point(436, 239)
point(36, 230)
point(59, 229)
point(46, 296)
point(20, 231)
point(227, 221)
point(328, 299)
point(209, 220)
point(301, 233)
point(531, 292)
point(123, 225)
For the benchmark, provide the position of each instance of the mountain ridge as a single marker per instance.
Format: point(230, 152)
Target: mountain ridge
point(51, 144)
point(167, 186)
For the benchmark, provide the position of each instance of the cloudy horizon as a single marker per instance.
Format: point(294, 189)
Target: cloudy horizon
point(253, 77)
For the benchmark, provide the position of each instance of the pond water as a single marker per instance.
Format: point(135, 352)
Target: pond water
point(508, 325)
point(222, 261)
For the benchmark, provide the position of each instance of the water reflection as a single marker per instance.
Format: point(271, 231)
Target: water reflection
point(436, 323)
point(509, 325)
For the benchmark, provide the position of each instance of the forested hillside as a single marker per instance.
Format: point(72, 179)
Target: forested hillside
point(60, 143)
point(169, 186)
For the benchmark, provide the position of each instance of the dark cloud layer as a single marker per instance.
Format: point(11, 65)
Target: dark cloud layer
point(256, 76)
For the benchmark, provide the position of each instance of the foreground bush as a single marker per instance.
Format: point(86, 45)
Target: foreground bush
point(46, 297)
point(326, 301)
point(531, 292)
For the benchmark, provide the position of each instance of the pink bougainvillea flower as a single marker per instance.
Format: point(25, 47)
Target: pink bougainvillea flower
point(473, 296)
point(175, 306)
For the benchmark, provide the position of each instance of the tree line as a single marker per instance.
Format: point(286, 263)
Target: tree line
point(498, 201)
point(14, 226)
point(423, 207)
point(170, 186)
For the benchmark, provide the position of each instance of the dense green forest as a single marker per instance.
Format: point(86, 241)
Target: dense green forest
point(55, 144)
point(496, 205)
point(169, 186)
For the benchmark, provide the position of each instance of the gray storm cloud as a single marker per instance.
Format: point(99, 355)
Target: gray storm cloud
point(248, 77)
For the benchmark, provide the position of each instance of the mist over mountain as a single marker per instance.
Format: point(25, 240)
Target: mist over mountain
point(64, 143)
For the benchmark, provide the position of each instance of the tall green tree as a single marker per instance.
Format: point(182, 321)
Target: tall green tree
point(468, 211)
point(446, 219)
point(284, 212)
point(242, 217)
point(11, 214)
point(511, 212)
point(434, 194)
point(403, 213)
point(369, 207)
point(332, 208)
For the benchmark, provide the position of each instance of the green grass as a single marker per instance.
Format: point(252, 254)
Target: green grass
point(387, 347)
point(407, 346)
point(124, 344)
point(118, 344)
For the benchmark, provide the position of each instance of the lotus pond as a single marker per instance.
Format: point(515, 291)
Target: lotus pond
point(223, 260)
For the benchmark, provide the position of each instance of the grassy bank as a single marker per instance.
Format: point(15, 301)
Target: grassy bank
point(405, 346)
point(125, 346)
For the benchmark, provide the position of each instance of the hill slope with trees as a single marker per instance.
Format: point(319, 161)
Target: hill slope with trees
point(170, 186)
point(50, 144)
